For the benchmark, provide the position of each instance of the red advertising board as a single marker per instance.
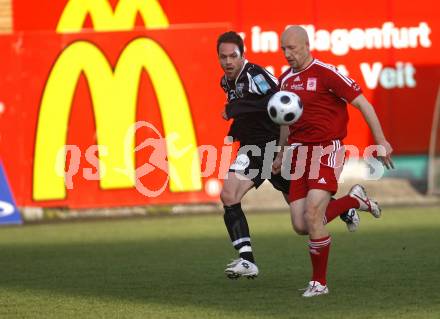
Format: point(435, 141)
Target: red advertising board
point(88, 89)
point(390, 47)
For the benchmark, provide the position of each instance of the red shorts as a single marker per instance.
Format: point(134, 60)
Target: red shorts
point(315, 166)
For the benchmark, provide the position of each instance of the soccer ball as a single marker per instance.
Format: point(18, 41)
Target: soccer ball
point(285, 108)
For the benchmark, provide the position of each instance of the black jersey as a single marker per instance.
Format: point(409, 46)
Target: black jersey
point(247, 98)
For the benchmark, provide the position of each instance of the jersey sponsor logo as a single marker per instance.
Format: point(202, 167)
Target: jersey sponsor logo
point(232, 95)
point(297, 79)
point(297, 87)
point(261, 82)
point(239, 89)
point(241, 162)
point(311, 84)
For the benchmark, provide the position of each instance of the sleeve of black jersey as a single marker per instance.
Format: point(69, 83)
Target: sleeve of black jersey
point(242, 106)
point(266, 84)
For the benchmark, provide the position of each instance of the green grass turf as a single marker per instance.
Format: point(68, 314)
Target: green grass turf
point(173, 268)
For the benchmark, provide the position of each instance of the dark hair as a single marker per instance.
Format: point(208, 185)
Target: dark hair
point(231, 37)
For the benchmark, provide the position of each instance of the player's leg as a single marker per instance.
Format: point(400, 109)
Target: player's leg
point(321, 187)
point(330, 165)
point(365, 203)
point(234, 188)
point(297, 210)
point(351, 219)
point(319, 240)
point(316, 204)
point(342, 207)
point(244, 174)
point(319, 244)
point(297, 216)
point(346, 206)
point(294, 188)
point(297, 204)
point(318, 247)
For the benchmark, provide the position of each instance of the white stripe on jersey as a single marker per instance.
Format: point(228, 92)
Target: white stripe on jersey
point(286, 77)
point(271, 76)
point(295, 73)
point(337, 147)
point(332, 157)
point(252, 86)
point(330, 161)
point(332, 68)
point(239, 73)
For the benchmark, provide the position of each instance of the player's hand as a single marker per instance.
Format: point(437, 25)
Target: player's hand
point(224, 116)
point(386, 159)
point(276, 165)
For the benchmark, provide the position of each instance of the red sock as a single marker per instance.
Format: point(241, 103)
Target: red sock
point(319, 249)
point(339, 206)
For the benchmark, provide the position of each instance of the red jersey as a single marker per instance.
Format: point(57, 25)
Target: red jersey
point(324, 93)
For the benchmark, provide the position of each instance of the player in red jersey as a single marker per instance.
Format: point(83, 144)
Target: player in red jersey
point(316, 140)
point(248, 88)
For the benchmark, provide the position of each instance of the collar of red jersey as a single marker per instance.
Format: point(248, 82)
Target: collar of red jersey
point(311, 63)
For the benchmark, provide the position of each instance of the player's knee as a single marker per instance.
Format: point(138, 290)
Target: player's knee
point(299, 225)
point(229, 197)
point(300, 229)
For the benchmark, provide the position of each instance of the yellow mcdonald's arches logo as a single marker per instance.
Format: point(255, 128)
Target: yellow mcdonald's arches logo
point(114, 96)
point(105, 19)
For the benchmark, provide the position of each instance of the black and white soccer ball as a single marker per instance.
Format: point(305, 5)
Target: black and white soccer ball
point(285, 108)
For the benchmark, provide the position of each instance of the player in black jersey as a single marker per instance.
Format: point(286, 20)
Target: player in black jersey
point(248, 88)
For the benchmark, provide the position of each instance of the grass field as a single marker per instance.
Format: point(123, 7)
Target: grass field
point(173, 268)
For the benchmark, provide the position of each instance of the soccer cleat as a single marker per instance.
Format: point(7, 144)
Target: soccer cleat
point(366, 204)
point(241, 268)
point(352, 219)
point(315, 289)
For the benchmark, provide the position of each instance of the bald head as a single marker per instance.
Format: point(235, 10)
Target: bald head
point(297, 32)
point(296, 47)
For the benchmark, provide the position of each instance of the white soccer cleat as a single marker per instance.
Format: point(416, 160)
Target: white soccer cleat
point(315, 289)
point(241, 268)
point(366, 204)
point(353, 220)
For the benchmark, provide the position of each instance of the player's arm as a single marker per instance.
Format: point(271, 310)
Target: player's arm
point(367, 110)
point(347, 89)
point(284, 134)
point(264, 85)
